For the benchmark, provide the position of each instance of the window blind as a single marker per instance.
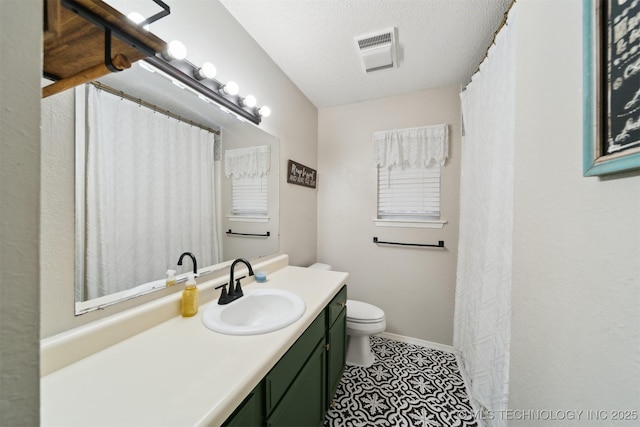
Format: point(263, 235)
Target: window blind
point(249, 196)
point(410, 193)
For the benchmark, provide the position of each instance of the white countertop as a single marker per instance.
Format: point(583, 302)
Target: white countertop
point(179, 373)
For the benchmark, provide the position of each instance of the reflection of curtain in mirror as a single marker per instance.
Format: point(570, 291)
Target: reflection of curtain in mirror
point(149, 195)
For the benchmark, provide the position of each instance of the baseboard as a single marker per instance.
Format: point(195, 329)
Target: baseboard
point(419, 342)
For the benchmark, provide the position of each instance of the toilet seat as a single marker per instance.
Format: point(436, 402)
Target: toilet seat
point(363, 313)
point(364, 322)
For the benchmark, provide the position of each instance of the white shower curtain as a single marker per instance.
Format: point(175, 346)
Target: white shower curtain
point(483, 288)
point(149, 195)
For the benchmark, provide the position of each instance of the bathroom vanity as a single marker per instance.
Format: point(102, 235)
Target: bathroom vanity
point(178, 372)
point(299, 389)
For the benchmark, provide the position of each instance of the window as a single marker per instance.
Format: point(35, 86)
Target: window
point(409, 163)
point(410, 194)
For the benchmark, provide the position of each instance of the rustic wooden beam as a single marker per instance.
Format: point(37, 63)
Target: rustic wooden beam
point(120, 62)
point(52, 26)
point(76, 54)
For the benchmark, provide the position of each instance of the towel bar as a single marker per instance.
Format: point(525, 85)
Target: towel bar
point(380, 242)
point(267, 234)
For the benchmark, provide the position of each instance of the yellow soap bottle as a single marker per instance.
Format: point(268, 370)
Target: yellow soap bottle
point(190, 298)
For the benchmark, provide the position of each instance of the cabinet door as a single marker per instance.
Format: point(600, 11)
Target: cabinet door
point(250, 413)
point(337, 304)
point(304, 403)
point(280, 378)
point(337, 340)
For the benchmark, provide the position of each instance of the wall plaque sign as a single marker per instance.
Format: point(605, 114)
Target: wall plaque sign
point(301, 175)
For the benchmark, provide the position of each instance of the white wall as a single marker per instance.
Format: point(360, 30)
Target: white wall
point(210, 34)
point(20, 68)
point(576, 272)
point(57, 209)
point(414, 286)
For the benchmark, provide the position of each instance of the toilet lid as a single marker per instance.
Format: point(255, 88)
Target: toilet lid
point(362, 312)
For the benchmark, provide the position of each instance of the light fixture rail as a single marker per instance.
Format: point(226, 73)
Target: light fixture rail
point(184, 71)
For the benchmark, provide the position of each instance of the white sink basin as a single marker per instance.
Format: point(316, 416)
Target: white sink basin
point(259, 311)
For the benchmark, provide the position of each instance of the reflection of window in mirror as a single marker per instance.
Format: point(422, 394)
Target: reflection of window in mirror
point(249, 196)
point(248, 169)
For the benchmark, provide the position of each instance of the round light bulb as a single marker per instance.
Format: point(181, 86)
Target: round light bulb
point(176, 50)
point(264, 111)
point(138, 18)
point(249, 101)
point(231, 88)
point(207, 71)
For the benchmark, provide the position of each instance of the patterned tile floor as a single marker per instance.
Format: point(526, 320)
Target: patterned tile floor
point(408, 385)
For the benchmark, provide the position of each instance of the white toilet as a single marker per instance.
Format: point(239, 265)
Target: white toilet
point(363, 320)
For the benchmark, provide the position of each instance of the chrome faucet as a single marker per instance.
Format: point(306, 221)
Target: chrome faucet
point(235, 292)
point(193, 258)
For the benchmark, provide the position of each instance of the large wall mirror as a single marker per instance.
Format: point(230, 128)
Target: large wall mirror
point(143, 200)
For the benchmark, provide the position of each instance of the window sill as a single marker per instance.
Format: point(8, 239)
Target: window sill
point(409, 223)
point(239, 218)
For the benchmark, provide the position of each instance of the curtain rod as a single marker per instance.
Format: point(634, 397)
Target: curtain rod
point(143, 103)
point(493, 41)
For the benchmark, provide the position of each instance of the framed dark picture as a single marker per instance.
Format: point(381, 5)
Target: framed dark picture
point(611, 33)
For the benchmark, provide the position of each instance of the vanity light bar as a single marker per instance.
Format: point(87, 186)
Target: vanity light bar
point(184, 71)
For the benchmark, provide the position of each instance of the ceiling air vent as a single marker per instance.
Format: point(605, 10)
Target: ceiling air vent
point(377, 50)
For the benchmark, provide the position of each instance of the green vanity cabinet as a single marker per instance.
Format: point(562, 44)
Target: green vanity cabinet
point(336, 307)
point(251, 410)
point(298, 389)
point(281, 379)
point(336, 342)
point(337, 346)
point(303, 404)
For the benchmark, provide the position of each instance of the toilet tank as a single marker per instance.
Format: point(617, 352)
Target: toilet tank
point(320, 266)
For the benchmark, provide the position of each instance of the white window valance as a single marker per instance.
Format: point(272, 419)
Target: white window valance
point(247, 162)
point(411, 147)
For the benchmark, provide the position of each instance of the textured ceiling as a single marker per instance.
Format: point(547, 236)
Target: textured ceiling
point(440, 42)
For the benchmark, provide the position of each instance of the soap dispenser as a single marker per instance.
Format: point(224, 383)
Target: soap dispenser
point(190, 298)
point(171, 278)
